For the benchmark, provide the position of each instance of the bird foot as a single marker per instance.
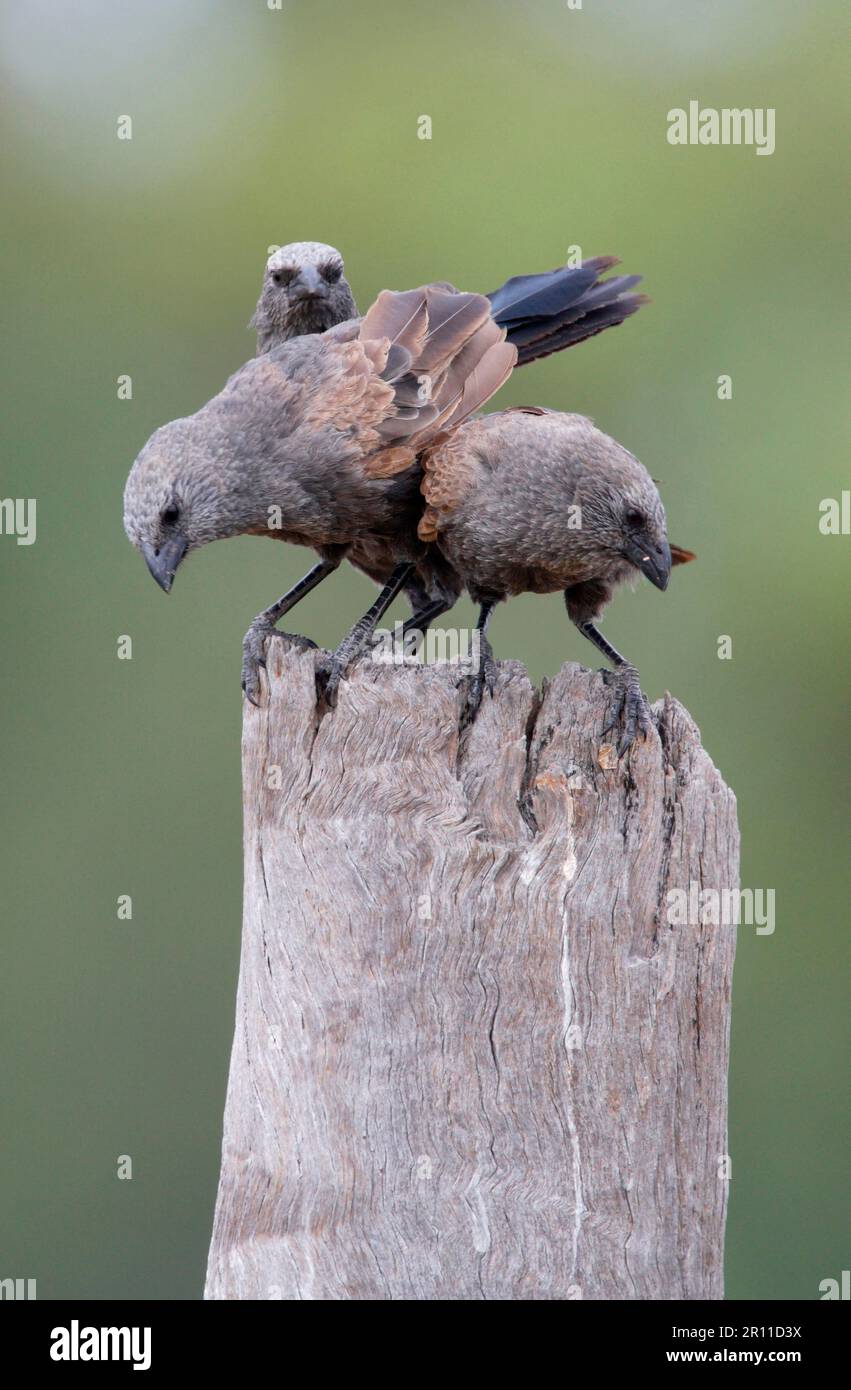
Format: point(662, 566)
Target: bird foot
point(254, 654)
point(333, 669)
point(630, 707)
point(485, 678)
point(329, 673)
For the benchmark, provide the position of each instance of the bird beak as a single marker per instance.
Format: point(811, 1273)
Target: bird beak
point(163, 562)
point(310, 284)
point(652, 558)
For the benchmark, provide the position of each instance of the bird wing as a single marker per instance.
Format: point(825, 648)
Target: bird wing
point(443, 357)
point(420, 362)
point(450, 473)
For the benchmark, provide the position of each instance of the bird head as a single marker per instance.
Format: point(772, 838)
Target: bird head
point(304, 291)
point(622, 513)
point(174, 501)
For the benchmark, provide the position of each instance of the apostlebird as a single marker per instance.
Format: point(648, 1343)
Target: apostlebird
point(305, 291)
point(531, 500)
point(317, 443)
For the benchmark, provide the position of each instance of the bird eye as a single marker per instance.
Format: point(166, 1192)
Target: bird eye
point(635, 520)
point(282, 277)
point(170, 516)
point(332, 273)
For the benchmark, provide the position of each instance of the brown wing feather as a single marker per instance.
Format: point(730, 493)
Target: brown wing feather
point(483, 381)
point(452, 321)
point(400, 316)
point(450, 343)
point(372, 387)
point(449, 474)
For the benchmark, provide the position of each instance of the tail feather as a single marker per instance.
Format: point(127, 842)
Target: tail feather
point(679, 556)
point(547, 312)
point(590, 324)
point(530, 330)
point(530, 296)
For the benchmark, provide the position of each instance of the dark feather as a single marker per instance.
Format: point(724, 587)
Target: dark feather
point(578, 331)
point(547, 312)
point(527, 296)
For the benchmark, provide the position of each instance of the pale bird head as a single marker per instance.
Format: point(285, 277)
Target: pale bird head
point(175, 501)
point(304, 290)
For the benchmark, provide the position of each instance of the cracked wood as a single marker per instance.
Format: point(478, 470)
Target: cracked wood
point(472, 1059)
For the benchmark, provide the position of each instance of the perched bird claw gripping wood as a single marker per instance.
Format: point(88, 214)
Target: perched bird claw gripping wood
point(485, 677)
point(334, 669)
point(263, 627)
point(254, 653)
point(630, 705)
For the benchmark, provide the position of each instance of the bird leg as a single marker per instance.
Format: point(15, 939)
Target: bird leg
point(630, 703)
point(331, 672)
point(485, 676)
point(263, 626)
point(421, 619)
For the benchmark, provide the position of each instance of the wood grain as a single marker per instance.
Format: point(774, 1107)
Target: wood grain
point(472, 1059)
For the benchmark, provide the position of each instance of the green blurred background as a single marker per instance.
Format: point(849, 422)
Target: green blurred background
point(253, 127)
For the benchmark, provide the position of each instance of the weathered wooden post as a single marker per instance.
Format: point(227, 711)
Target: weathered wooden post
point(473, 1059)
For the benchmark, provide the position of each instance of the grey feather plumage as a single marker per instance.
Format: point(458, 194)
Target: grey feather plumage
point(537, 501)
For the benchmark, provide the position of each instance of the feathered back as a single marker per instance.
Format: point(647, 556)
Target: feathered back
point(445, 357)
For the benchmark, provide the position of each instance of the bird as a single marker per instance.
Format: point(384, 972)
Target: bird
point(529, 500)
point(305, 290)
point(317, 441)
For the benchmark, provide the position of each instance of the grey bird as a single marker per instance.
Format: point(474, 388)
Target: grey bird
point(317, 443)
point(305, 291)
point(531, 500)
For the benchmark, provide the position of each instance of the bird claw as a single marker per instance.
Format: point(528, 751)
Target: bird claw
point(254, 655)
point(630, 707)
point(329, 674)
point(335, 668)
point(485, 679)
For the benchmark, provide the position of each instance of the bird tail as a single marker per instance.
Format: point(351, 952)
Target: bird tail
point(679, 556)
point(545, 313)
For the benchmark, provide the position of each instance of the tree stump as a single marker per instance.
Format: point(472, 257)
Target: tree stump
point(473, 1059)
